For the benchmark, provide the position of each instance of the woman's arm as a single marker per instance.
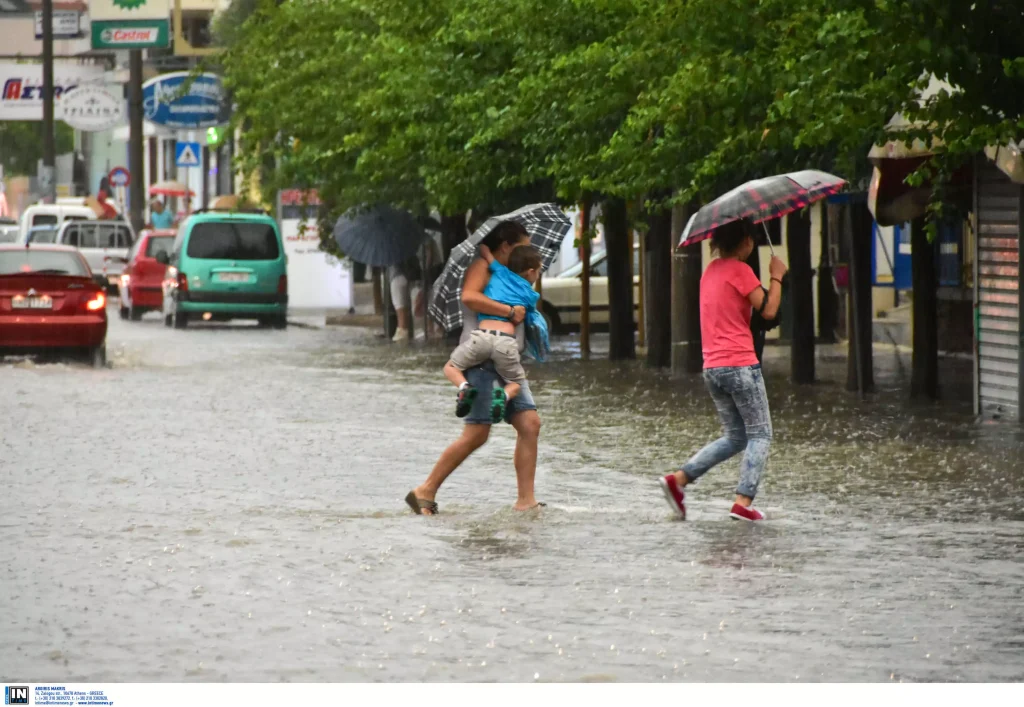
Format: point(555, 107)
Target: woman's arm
point(473, 295)
point(774, 297)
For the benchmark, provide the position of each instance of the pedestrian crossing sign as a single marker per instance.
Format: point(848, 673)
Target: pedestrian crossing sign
point(186, 154)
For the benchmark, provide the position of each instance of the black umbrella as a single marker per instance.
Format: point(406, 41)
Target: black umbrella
point(379, 236)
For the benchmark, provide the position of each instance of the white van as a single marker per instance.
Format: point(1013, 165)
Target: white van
point(53, 215)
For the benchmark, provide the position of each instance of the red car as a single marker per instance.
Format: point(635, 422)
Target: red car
point(50, 302)
point(140, 285)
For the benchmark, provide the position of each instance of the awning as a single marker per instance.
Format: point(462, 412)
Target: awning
point(148, 130)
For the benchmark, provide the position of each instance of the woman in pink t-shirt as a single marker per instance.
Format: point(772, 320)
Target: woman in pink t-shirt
point(729, 292)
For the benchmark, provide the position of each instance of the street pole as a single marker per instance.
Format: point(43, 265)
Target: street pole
point(137, 186)
point(47, 177)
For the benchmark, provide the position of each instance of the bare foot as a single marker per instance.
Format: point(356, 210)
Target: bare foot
point(527, 506)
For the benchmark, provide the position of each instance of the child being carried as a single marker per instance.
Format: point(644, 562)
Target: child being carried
point(495, 339)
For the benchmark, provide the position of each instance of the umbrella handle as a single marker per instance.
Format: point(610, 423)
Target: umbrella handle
point(768, 238)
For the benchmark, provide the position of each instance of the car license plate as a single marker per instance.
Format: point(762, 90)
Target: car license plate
point(233, 277)
point(23, 302)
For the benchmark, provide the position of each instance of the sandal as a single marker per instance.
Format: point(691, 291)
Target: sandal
point(464, 403)
point(418, 505)
point(499, 403)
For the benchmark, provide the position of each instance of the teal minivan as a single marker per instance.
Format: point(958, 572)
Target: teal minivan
point(226, 265)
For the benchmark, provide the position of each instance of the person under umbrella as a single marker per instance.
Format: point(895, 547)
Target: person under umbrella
point(458, 299)
point(729, 293)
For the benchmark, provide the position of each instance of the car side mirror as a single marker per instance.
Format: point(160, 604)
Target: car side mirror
point(162, 257)
point(100, 280)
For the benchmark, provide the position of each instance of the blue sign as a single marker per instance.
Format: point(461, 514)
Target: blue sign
point(185, 101)
point(186, 154)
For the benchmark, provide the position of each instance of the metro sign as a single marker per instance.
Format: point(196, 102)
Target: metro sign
point(26, 90)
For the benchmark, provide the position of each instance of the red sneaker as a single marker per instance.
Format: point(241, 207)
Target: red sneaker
point(739, 512)
point(674, 495)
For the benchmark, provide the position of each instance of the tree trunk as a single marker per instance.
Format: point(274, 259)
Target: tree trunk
point(859, 228)
point(621, 344)
point(687, 268)
point(585, 279)
point(801, 293)
point(828, 298)
point(924, 377)
point(453, 232)
point(657, 283)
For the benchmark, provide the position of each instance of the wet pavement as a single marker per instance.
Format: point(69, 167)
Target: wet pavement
point(225, 503)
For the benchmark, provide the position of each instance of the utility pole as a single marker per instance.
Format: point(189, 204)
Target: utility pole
point(136, 160)
point(47, 177)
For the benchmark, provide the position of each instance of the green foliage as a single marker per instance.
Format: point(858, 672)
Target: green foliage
point(21, 145)
point(460, 104)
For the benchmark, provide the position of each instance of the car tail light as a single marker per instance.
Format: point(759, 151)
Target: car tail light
point(182, 282)
point(282, 285)
point(97, 302)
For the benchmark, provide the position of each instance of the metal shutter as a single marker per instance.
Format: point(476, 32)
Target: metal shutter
point(998, 211)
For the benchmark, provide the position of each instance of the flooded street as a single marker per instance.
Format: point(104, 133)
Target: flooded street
point(225, 504)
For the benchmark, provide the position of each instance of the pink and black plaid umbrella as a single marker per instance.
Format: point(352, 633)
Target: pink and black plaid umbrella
point(761, 200)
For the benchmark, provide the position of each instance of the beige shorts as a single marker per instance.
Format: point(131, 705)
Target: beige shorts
point(500, 348)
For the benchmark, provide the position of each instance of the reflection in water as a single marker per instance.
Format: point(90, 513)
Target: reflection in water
point(251, 525)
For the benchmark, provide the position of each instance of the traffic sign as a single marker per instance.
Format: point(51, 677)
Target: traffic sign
point(119, 177)
point(186, 154)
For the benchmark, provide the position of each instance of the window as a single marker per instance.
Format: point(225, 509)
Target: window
point(44, 220)
point(124, 237)
point(70, 236)
point(600, 268)
point(87, 236)
point(42, 235)
point(233, 241)
point(26, 260)
point(159, 244)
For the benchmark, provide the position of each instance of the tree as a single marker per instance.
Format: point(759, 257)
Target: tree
point(21, 145)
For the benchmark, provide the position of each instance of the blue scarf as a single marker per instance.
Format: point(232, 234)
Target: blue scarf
point(514, 290)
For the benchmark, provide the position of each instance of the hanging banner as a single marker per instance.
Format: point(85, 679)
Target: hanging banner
point(185, 101)
point(93, 108)
point(130, 24)
point(21, 87)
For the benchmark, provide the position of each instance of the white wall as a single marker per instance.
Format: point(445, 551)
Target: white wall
point(316, 280)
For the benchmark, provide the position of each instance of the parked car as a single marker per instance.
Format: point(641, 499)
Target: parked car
point(141, 280)
point(563, 293)
point(104, 243)
point(10, 231)
point(50, 303)
point(228, 265)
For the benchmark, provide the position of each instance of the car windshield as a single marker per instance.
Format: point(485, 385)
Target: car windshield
point(42, 235)
point(228, 240)
point(25, 261)
point(575, 271)
point(8, 234)
point(158, 244)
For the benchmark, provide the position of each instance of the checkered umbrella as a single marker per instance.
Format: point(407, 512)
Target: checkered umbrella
point(547, 226)
point(761, 200)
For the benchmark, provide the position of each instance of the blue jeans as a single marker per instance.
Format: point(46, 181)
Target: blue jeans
point(484, 378)
point(742, 404)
